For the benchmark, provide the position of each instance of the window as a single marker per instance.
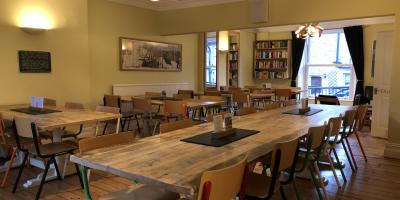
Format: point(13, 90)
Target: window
point(211, 60)
point(328, 68)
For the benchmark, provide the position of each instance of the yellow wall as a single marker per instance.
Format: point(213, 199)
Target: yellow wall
point(222, 69)
point(107, 22)
point(246, 58)
point(67, 41)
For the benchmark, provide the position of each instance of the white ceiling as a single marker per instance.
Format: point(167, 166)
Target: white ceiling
point(172, 4)
point(332, 24)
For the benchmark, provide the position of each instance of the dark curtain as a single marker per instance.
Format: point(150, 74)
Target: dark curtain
point(297, 55)
point(355, 41)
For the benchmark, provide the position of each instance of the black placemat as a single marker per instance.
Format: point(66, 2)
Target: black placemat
point(297, 112)
point(209, 140)
point(31, 111)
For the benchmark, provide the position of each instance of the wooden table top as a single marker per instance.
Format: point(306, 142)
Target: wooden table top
point(165, 161)
point(58, 119)
point(191, 103)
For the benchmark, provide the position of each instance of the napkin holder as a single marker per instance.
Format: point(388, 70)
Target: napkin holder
point(223, 133)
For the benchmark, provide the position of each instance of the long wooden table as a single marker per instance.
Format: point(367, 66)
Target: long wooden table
point(167, 162)
point(54, 122)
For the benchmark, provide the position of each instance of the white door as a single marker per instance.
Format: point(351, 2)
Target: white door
point(383, 69)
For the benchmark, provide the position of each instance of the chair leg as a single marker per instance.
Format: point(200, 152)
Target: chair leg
point(85, 180)
point(43, 180)
point(21, 168)
point(334, 172)
point(10, 163)
point(53, 159)
point(310, 169)
point(282, 193)
point(79, 175)
point(320, 180)
point(351, 153)
point(296, 189)
point(137, 124)
point(340, 168)
point(105, 128)
point(361, 147)
point(348, 156)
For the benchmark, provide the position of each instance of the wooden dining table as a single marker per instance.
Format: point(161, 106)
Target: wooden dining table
point(54, 123)
point(167, 162)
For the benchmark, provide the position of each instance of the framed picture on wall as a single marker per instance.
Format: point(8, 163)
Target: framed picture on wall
point(34, 61)
point(147, 55)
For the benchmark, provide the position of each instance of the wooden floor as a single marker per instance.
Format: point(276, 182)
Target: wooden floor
point(379, 178)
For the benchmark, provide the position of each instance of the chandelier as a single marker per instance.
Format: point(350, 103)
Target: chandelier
point(309, 30)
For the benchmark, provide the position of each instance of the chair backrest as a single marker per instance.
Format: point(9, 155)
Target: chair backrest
point(89, 144)
point(272, 106)
point(188, 92)
point(142, 105)
point(112, 101)
point(235, 89)
point(360, 116)
point(316, 134)
point(327, 100)
point(286, 93)
point(349, 118)
point(152, 94)
point(23, 127)
point(284, 153)
point(211, 98)
point(73, 105)
point(246, 111)
point(180, 124)
point(334, 124)
point(210, 117)
point(212, 93)
point(291, 102)
point(252, 88)
point(174, 107)
point(239, 97)
point(107, 109)
point(263, 91)
point(49, 102)
point(2, 127)
point(222, 184)
point(182, 96)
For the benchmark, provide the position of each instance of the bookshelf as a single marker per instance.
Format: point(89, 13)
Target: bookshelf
point(233, 60)
point(272, 59)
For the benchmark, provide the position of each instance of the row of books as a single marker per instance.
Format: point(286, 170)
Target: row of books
point(234, 65)
point(233, 47)
point(275, 64)
point(265, 75)
point(233, 56)
point(271, 54)
point(271, 44)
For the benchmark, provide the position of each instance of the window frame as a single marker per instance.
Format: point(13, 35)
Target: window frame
point(205, 62)
point(305, 67)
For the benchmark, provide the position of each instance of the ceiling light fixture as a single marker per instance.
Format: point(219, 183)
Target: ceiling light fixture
point(309, 30)
point(154, 0)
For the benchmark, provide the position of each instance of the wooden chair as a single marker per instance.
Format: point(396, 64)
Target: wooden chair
point(327, 100)
point(115, 101)
point(181, 124)
point(143, 110)
point(283, 96)
point(107, 109)
point(223, 184)
point(8, 140)
point(283, 158)
point(187, 92)
point(335, 124)
point(27, 128)
point(272, 106)
point(174, 109)
point(145, 192)
point(246, 111)
point(212, 93)
point(360, 117)
point(212, 109)
point(262, 100)
point(239, 99)
point(71, 134)
point(349, 121)
point(49, 102)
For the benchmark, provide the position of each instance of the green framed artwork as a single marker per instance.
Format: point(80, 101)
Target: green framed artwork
point(34, 61)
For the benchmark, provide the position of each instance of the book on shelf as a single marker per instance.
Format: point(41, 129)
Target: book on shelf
point(265, 75)
point(233, 56)
point(271, 44)
point(275, 64)
point(266, 54)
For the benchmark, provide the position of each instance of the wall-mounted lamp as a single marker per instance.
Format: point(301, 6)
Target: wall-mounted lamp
point(34, 22)
point(223, 41)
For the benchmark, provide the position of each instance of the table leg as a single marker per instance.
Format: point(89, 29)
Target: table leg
point(86, 190)
point(96, 129)
point(118, 122)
